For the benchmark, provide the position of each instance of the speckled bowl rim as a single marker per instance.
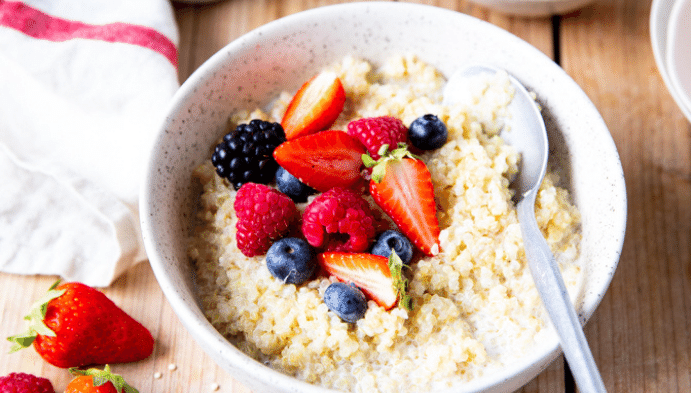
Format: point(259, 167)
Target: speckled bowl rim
point(534, 8)
point(162, 176)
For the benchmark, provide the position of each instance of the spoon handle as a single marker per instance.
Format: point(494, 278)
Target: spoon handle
point(555, 297)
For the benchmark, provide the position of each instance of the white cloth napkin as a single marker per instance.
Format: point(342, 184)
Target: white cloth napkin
point(83, 89)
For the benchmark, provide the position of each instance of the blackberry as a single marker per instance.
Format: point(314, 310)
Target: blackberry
point(246, 154)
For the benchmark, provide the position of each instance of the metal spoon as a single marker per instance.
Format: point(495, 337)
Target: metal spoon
point(529, 136)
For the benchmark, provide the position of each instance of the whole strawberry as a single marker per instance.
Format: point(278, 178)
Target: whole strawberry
point(74, 325)
point(25, 383)
point(94, 380)
point(264, 215)
point(375, 132)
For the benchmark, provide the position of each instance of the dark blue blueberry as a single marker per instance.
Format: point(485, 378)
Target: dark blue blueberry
point(291, 260)
point(291, 186)
point(392, 240)
point(347, 301)
point(427, 132)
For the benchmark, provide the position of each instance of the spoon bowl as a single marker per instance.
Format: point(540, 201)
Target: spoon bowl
point(525, 130)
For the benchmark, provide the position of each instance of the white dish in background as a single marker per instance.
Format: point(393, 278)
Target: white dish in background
point(533, 8)
point(278, 56)
point(678, 56)
point(660, 15)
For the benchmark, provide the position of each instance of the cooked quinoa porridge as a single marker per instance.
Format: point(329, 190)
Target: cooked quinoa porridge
point(474, 305)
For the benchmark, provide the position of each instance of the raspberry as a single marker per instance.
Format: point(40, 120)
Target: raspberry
point(339, 220)
point(25, 383)
point(264, 215)
point(374, 132)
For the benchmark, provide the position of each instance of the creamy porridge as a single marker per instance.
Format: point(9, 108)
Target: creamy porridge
point(475, 307)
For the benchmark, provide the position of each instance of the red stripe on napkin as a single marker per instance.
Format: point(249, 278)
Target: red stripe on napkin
point(34, 23)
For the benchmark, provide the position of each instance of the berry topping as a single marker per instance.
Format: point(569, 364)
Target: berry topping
point(75, 325)
point(291, 260)
point(427, 132)
point(25, 383)
point(379, 278)
point(264, 215)
point(346, 301)
point(95, 380)
point(402, 186)
point(374, 132)
point(339, 220)
point(246, 154)
point(315, 106)
point(324, 160)
point(291, 186)
point(392, 241)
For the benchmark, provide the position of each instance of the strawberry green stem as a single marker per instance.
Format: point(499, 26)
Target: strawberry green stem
point(386, 156)
point(400, 283)
point(35, 324)
point(102, 377)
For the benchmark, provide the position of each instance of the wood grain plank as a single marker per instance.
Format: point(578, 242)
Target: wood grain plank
point(640, 331)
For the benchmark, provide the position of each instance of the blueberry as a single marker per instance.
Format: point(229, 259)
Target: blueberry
point(291, 260)
point(392, 240)
point(347, 301)
point(427, 132)
point(291, 186)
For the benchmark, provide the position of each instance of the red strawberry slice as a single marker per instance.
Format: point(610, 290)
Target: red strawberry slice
point(402, 186)
point(315, 106)
point(323, 160)
point(368, 272)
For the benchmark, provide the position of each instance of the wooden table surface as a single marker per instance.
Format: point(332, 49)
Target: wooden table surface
point(639, 334)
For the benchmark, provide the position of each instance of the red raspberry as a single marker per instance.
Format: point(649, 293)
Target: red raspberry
point(374, 132)
point(264, 215)
point(25, 383)
point(339, 220)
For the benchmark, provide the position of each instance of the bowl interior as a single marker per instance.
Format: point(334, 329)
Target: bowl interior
point(252, 70)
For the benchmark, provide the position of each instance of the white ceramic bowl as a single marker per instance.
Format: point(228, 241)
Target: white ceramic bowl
point(252, 70)
point(534, 8)
point(678, 54)
point(667, 31)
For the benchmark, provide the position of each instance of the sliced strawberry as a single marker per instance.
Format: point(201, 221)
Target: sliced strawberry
point(323, 160)
point(402, 186)
point(371, 273)
point(315, 106)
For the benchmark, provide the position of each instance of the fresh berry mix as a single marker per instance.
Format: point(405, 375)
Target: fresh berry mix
point(427, 132)
point(339, 220)
point(264, 215)
point(374, 132)
point(392, 241)
point(246, 154)
point(346, 301)
point(291, 260)
point(292, 186)
point(25, 383)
